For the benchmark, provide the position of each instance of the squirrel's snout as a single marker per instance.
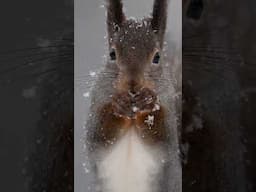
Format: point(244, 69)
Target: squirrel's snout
point(133, 82)
point(134, 86)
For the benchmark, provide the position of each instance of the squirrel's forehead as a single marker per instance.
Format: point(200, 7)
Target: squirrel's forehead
point(134, 44)
point(136, 36)
point(139, 28)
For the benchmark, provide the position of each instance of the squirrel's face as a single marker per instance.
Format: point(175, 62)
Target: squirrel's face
point(135, 46)
point(136, 51)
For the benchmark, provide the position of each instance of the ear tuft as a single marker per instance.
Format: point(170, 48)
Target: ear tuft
point(159, 17)
point(115, 16)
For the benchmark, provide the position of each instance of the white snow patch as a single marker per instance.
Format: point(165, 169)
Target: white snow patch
point(156, 107)
point(29, 93)
point(135, 109)
point(41, 42)
point(150, 120)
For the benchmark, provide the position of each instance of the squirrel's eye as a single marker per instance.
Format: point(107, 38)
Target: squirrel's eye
point(156, 58)
point(112, 55)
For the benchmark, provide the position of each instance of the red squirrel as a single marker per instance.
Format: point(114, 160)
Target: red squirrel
point(132, 134)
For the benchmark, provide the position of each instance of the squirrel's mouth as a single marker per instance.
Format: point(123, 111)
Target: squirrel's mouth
point(128, 104)
point(134, 95)
point(132, 83)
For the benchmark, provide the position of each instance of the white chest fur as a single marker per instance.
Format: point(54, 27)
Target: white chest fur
point(130, 166)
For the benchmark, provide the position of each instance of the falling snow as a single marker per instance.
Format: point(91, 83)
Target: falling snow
point(86, 95)
point(92, 73)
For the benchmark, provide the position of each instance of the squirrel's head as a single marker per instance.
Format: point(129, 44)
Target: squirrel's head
point(135, 46)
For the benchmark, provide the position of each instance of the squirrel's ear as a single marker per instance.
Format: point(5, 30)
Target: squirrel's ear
point(159, 18)
point(115, 16)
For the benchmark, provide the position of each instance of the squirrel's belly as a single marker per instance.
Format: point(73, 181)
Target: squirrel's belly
point(130, 166)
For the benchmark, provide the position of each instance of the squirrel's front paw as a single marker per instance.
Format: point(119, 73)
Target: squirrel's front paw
point(145, 100)
point(122, 105)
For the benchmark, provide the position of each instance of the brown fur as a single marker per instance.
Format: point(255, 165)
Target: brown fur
point(115, 122)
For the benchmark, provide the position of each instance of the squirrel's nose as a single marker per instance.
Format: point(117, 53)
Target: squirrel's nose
point(135, 85)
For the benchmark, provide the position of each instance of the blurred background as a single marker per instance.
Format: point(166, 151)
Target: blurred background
point(218, 76)
point(36, 65)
